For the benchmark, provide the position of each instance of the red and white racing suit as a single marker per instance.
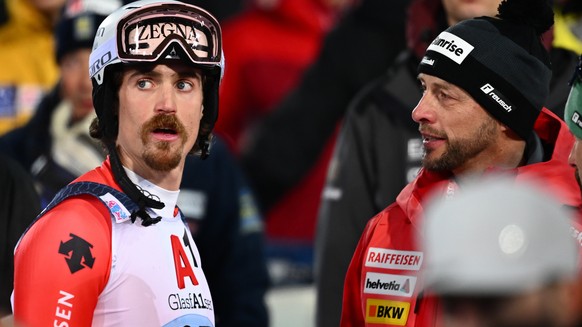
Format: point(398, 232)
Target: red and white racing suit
point(84, 263)
point(383, 285)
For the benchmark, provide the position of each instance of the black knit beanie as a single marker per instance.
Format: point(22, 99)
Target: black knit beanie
point(500, 62)
point(76, 32)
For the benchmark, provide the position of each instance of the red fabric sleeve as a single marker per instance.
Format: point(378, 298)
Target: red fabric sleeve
point(62, 264)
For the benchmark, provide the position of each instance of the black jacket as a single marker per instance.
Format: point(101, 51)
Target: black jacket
point(19, 205)
point(228, 230)
point(289, 142)
point(377, 153)
point(31, 143)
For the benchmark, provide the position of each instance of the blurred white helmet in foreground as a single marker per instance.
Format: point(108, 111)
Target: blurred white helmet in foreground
point(496, 237)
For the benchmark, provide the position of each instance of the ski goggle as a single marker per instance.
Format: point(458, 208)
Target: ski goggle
point(573, 110)
point(148, 34)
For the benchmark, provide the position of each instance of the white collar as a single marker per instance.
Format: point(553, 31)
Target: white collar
point(168, 198)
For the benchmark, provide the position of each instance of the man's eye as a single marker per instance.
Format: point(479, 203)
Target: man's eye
point(143, 84)
point(444, 96)
point(183, 85)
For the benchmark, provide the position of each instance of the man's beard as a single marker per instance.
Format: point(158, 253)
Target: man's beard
point(161, 157)
point(459, 151)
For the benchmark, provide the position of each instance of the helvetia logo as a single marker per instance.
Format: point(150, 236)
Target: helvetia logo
point(451, 46)
point(389, 284)
point(497, 97)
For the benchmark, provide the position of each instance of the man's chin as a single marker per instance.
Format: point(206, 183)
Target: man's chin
point(431, 161)
point(162, 160)
point(164, 165)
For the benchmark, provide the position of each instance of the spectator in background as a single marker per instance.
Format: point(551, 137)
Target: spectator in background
point(19, 205)
point(223, 9)
point(28, 69)
point(287, 155)
point(268, 46)
point(568, 24)
point(501, 254)
point(566, 45)
point(380, 150)
point(54, 145)
point(466, 133)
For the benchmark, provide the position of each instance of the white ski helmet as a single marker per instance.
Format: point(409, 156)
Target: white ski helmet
point(147, 31)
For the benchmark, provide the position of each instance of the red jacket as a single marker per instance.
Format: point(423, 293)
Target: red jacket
point(384, 280)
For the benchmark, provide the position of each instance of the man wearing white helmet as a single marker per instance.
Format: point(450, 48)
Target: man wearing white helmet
point(500, 254)
point(111, 248)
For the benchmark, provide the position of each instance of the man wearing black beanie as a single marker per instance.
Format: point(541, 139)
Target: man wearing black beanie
point(500, 63)
point(485, 82)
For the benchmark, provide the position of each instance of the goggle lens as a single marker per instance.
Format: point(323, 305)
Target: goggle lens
point(147, 35)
